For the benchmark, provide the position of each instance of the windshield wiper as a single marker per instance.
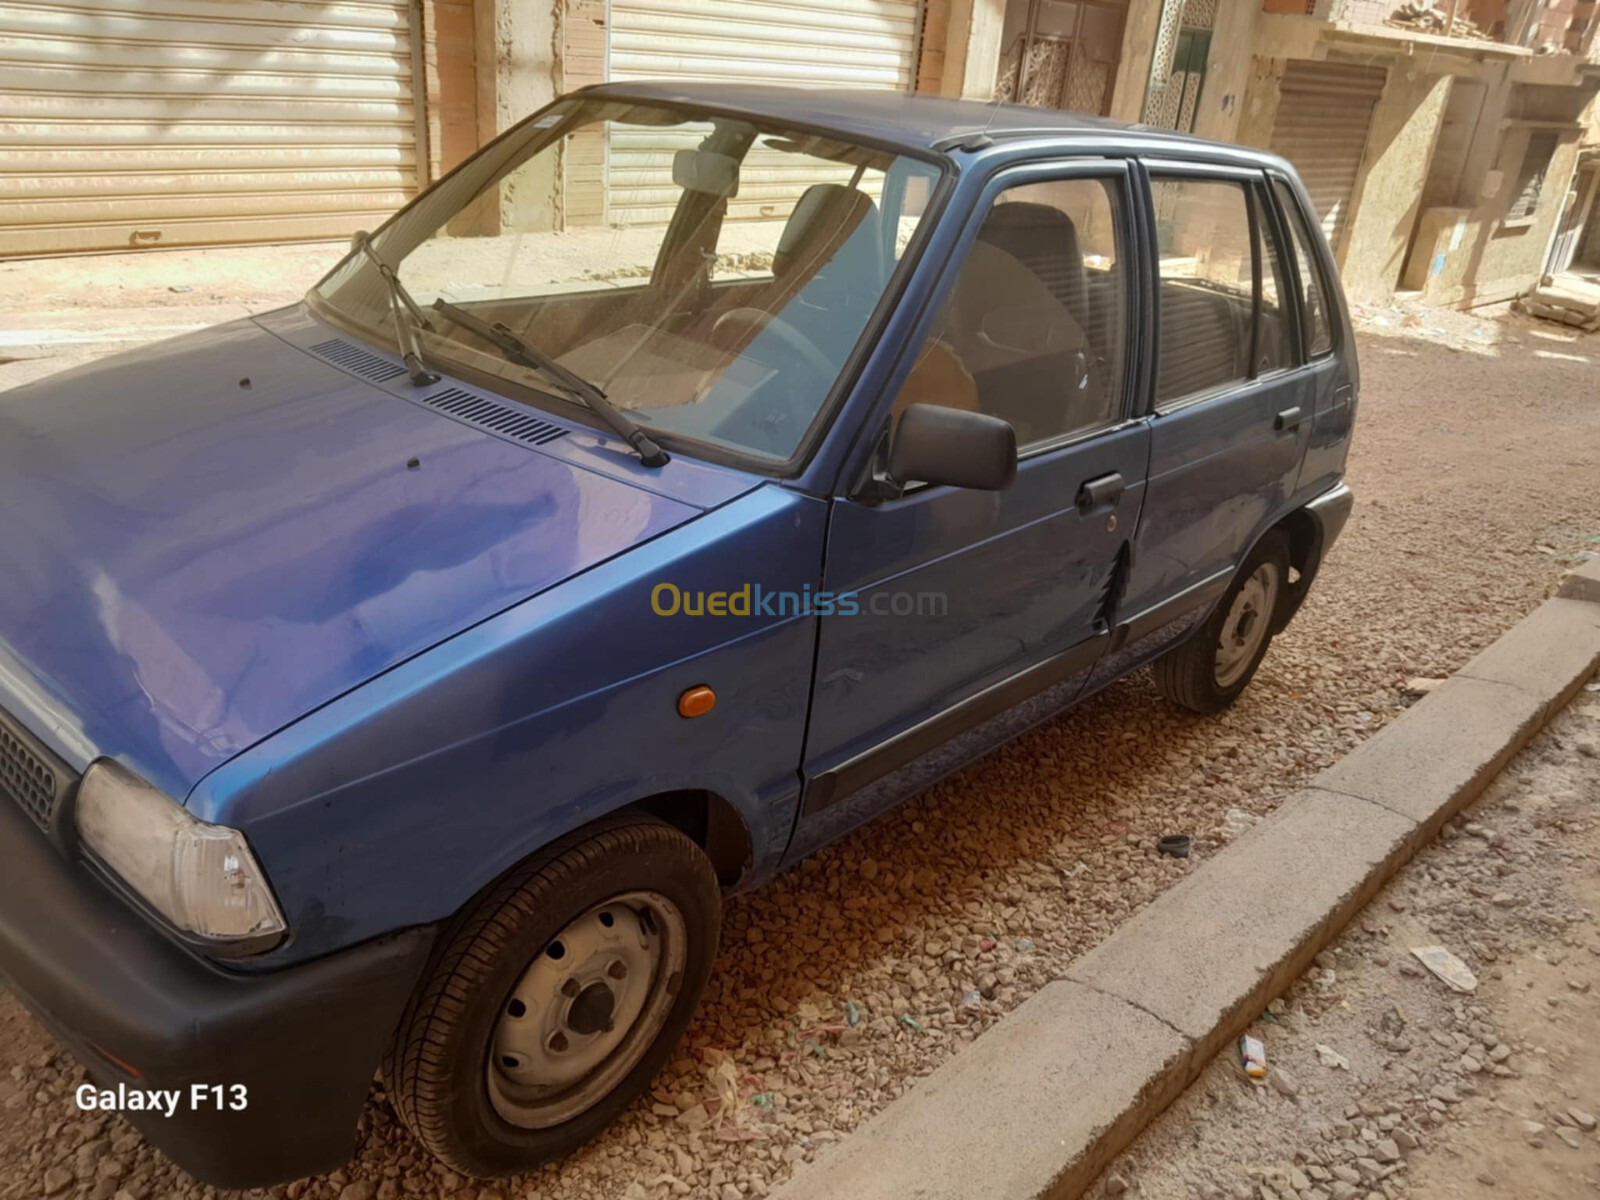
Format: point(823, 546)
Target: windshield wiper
point(401, 304)
point(517, 351)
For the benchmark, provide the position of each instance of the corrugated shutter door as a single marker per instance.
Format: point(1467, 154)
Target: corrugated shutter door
point(202, 122)
point(1324, 115)
point(802, 43)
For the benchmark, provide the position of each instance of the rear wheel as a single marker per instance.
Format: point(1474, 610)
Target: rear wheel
point(1208, 670)
point(557, 998)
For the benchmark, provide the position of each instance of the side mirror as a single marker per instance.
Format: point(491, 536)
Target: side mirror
point(954, 447)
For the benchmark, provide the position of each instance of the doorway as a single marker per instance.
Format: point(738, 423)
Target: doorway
point(1061, 53)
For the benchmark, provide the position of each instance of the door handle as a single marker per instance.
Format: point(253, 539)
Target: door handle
point(1100, 491)
point(1287, 420)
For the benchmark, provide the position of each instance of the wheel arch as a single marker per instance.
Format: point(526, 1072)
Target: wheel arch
point(711, 822)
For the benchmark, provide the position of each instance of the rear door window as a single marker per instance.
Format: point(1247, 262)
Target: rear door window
point(1222, 316)
point(1319, 333)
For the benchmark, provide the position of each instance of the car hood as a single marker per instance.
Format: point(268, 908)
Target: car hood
point(206, 539)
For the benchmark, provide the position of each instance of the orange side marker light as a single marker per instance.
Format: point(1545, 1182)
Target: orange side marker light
point(696, 702)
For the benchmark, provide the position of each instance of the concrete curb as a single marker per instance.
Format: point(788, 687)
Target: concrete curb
point(1040, 1104)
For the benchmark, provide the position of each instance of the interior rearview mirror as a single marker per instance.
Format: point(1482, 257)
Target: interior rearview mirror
point(357, 238)
point(706, 171)
point(953, 447)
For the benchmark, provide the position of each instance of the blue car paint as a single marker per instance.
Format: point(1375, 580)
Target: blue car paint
point(415, 767)
point(190, 564)
point(435, 777)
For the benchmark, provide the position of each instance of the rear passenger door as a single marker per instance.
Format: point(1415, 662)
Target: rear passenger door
point(1330, 360)
point(1232, 408)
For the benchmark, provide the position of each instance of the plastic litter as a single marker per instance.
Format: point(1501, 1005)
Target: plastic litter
point(1253, 1057)
point(1174, 845)
point(1447, 967)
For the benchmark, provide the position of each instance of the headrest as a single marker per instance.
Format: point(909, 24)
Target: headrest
point(825, 217)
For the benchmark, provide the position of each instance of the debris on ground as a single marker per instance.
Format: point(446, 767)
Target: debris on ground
point(1447, 967)
point(1445, 1095)
point(1253, 1057)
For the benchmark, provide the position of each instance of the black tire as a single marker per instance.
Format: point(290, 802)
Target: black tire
point(1187, 674)
point(437, 1067)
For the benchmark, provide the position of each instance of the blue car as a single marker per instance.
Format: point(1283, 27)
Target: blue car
point(399, 681)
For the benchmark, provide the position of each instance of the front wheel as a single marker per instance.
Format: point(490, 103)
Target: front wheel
point(557, 999)
point(1207, 671)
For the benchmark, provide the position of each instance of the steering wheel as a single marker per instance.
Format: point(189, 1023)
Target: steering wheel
point(745, 422)
point(764, 322)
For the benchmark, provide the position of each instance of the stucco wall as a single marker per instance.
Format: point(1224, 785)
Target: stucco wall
point(1388, 191)
point(1228, 71)
point(1496, 262)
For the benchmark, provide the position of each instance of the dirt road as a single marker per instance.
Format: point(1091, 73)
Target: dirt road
point(1477, 448)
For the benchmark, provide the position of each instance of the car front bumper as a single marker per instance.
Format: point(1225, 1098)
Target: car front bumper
point(138, 1010)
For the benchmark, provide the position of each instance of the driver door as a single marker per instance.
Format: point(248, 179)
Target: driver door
point(965, 616)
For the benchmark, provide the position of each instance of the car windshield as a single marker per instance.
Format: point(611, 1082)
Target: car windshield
point(710, 274)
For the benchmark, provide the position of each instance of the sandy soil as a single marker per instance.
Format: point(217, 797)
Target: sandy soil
point(1383, 1082)
point(1477, 447)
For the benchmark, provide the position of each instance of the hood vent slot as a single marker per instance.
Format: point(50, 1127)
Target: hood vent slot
point(506, 420)
point(358, 361)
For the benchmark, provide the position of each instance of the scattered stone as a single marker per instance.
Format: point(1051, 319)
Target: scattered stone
point(1570, 1137)
point(1283, 1083)
point(1115, 1185)
point(1584, 1120)
point(1329, 1057)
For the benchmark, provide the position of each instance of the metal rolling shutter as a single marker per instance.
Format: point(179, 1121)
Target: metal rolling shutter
point(1324, 115)
point(801, 43)
point(202, 122)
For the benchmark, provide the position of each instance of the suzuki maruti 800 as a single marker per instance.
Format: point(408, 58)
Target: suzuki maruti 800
point(398, 681)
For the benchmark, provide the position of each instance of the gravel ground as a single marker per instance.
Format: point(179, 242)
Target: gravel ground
point(1382, 1081)
point(839, 985)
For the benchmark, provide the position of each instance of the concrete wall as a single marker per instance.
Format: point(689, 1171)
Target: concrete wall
point(1492, 261)
point(1228, 71)
point(1497, 261)
point(1138, 48)
point(450, 83)
point(1388, 191)
point(522, 39)
point(971, 49)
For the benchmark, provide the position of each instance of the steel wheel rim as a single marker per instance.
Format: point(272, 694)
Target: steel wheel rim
point(1245, 628)
point(586, 1010)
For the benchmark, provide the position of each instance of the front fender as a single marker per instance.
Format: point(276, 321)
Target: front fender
point(395, 804)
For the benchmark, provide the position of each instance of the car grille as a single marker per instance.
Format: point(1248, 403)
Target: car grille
point(31, 775)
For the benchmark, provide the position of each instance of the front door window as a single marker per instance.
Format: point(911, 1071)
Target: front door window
point(1034, 329)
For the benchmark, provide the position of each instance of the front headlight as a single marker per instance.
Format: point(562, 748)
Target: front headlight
point(201, 877)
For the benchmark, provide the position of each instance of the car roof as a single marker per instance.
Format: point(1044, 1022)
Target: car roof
point(919, 120)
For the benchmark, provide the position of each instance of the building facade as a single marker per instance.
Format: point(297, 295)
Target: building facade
point(1442, 143)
